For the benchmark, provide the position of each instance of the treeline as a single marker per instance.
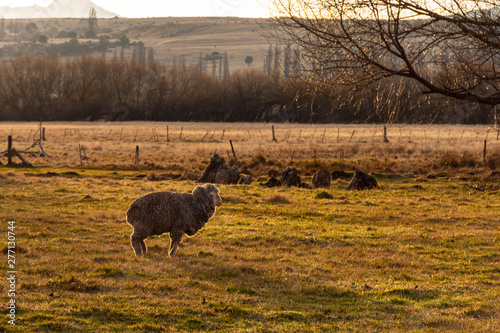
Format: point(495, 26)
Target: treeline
point(93, 88)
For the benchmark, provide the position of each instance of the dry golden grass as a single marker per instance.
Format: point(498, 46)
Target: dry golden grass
point(412, 150)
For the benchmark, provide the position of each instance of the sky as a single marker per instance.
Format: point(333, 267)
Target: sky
point(164, 8)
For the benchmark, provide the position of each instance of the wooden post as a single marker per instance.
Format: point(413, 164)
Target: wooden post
point(222, 136)
point(312, 138)
point(43, 134)
point(168, 137)
point(274, 137)
point(136, 155)
point(80, 152)
point(293, 154)
point(385, 134)
point(300, 134)
point(484, 151)
point(9, 150)
point(323, 138)
point(111, 130)
point(28, 164)
point(232, 148)
point(180, 136)
point(40, 130)
point(338, 134)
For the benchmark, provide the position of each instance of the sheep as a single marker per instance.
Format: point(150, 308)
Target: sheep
point(177, 213)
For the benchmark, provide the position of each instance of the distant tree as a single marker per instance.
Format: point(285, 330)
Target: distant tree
point(226, 66)
point(268, 61)
point(43, 39)
point(124, 41)
point(30, 27)
point(63, 34)
point(248, 60)
point(2, 29)
point(92, 19)
point(287, 60)
point(103, 44)
point(151, 55)
point(72, 34)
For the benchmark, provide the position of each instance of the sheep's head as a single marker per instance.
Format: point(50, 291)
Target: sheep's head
point(213, 192)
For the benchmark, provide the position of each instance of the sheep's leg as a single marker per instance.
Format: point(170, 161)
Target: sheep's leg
point(138, 245)
point(144, 247)
point(175, 239)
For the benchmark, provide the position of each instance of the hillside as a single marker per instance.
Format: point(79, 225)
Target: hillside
point(57, 8)
point(171, 38)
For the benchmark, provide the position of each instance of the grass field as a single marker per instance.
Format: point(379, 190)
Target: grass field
point(419, 254)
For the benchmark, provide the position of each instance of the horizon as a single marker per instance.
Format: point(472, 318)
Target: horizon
point(167, 8)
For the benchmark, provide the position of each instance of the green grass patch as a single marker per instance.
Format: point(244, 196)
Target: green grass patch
point(270, 260)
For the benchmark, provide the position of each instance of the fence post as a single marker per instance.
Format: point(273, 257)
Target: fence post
point(484, 151)
point(232, 148)
point(9, 149)
point(385, 134)
point(136, 155)
point(274, 137)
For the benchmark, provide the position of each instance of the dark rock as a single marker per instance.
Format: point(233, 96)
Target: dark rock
point(322, 178)
point(362, 181)
point(289, 177)
point(272, 182)
point(227, 175)
point(211, 171)
point(341, 174)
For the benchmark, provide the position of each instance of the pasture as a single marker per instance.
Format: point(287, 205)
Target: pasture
point(418, 254)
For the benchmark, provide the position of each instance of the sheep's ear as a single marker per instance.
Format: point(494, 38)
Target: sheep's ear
point(211, 188)
point(198, 189)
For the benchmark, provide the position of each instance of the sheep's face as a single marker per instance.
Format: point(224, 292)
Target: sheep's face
point(213, 191)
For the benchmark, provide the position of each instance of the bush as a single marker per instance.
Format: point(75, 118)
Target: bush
point(43, 39)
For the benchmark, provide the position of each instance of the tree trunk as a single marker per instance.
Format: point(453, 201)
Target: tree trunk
point(289, 178)
point(362, 181)
point(211, 171)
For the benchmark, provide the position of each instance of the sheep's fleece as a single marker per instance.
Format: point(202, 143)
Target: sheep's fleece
point(177, 213)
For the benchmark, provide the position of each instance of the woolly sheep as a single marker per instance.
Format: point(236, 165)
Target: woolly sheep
point(177, 213)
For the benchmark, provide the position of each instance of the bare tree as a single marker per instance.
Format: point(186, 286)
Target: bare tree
point(92, 21)
point(450, 48)
point(2, 29)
